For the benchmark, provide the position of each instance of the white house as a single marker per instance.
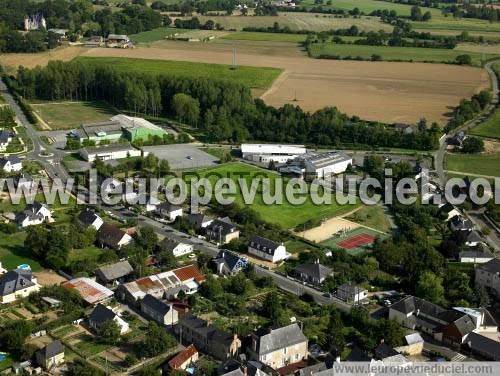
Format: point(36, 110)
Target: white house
point(177, 248)
point(267, 249)
point(5, 139)
point(162, 313)
point(89, 218)
point(266, 153)
point(12, 163)
point(112, 237)
point(102, 314)
point(17, 283)
point(449, 211)
point(109, 152)
point(34, 214)
point(168, 210)
point(351, 293)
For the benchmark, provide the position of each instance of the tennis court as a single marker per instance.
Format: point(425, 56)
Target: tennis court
point(354, 241)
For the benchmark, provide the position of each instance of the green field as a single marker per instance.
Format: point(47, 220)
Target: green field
point(490, 128)
point(393, 53)
point(154, 35)
point(368, 6)
point(13, 253)
point(371, 216)
point(270, 37)
point(252, 77)
point(462, 24)
point(285, 215)
point(481, 164)
point(70, 115)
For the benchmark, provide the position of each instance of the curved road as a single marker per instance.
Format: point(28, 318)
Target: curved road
point(439, 156)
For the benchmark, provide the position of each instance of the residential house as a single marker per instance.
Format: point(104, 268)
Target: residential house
point(414, 344)
point(183, 359)
point(389, 355)
point(176, 247)
point(278, 347)
point(34, 214)
point(483, 346)
point(12, 163)
point(312, 272)
point(488, 276)
point(90, 291)
point(164, 285)
point(478, 254)
point(51, 355)
point(459, 223)
point(458, 139)
point(228, 263)
point(5, 139)
point(448, 211)
point(24, 181)
point(198, 220)
point(102, 314)
point(89, 218)
point(114, 273)
point(162, 313)
point(17, 283)
point(169, 211)
point(472, 239)
point(112, 237)
point(267, 249)
point(222, 231)
point(208, 338)
point(351, 293)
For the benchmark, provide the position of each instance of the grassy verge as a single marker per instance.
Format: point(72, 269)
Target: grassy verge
point(252, 77)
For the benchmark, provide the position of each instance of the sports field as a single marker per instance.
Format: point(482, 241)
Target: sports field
point(384, 91)
point(285, 215)
point(440, 55)
point(70, 115)
point(155, 34)
point(490, 128)
point(252, 77)
point(354, 241)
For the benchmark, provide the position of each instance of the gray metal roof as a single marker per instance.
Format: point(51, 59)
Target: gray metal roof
point(115, 271)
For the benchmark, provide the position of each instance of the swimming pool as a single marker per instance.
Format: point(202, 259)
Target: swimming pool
point(24, 266)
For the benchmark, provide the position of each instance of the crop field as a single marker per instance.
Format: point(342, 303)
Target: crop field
point(252, 77)
point(480, 164)
point(271, 37)
point(368, 6)
point(462, 24)
point(30, 60)
point(70, 115)
point(384, 91)
point(490, 128)
point(155, 34)
point(394, 53)
point(285, 215)
point(298, 21)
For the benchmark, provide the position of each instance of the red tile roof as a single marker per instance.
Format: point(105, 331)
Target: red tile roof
point(189, 272)
point(181, 358)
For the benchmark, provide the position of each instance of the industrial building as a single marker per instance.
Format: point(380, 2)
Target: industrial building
point(265, 153)
point(320, 166)
point(108, 152)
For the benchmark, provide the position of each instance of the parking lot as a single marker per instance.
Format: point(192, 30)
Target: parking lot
point(183, 156)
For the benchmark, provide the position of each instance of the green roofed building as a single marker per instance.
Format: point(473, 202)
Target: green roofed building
point(138, 128)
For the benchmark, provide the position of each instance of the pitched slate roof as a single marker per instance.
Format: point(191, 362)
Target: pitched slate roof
point(182, 357)
point(87, 217)
point(412, 303)
point(484, 346)
point(230, 259)
point(168, 244)
point(110, 235)
point(474, 237)
point(52, 349)
point(384, 351)
point(464, 325)
point(115, 271)
point(460, 223)
point(263, 244)
point(155, 304)
point(15, 280)
point(492, 266)
point(314, 270)
point(350, 289)
point(280, 338)
point(224, 226)
point(4, 136)
point(167, 206)
point(205, 330)
point(101, 314)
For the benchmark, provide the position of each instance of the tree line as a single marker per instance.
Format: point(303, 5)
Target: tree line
point(225, 110)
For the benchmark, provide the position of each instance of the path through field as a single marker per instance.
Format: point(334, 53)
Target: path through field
point(384, 91)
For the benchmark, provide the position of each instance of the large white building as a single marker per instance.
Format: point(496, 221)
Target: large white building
point(326, 164)
point(105, 153)
point(267, 249)
point(266, 153)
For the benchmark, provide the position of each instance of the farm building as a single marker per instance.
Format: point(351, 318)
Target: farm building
point(90, 291)
point(108, 152)
point(266, 153)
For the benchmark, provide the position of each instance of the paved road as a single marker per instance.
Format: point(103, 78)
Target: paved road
point(49, 157)
point(439, 156)
point(480, 221)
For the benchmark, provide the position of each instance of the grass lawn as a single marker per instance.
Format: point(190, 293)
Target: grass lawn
point(222, 153)
point(371, 216)
point(285, 215)
point(270, 37)
point(252, 77)
point(482, 164)
point(13, 253)
point(6, 363)
point(70, 115)
point(155, 34)
point(64, 330)
point(89, 346)
point(368, 6)
point(91, 253)
point(393, 53)
point(490, 128)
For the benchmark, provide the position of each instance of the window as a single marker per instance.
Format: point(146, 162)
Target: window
point(284, 350)
point(296, 356)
